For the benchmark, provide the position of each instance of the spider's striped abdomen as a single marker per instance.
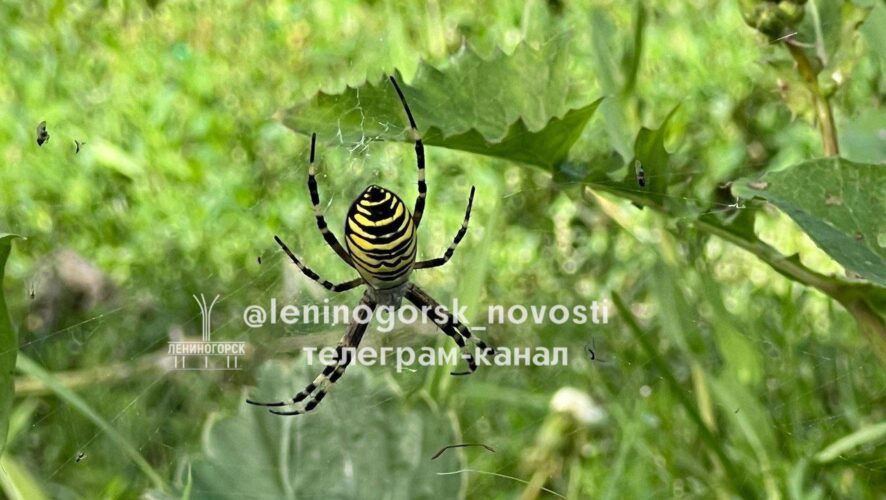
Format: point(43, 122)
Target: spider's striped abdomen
point(380, 237)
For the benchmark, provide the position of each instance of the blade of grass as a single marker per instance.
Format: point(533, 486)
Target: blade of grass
point(615, 477)
point(714, 443)
point(846, 443)
point(28, 367)
point(8, 345)
point(186, 492)
point(17, 483)
point(20, 418)
point(752, 423)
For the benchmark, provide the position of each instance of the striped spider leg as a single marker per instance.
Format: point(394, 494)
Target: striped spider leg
point(328, 235)
point(321, 385)
point(448, 324)
point(419, 208)
point(307, 271)
point(428, 264)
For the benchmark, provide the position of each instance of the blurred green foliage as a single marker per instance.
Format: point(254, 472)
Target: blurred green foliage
point(185, 178)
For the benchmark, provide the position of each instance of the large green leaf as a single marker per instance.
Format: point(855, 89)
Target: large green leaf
point(8, 345)
point(362, 442)
point(838, 203)
point(513, 106)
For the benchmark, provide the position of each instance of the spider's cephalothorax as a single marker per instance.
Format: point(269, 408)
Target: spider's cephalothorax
point(380, 235)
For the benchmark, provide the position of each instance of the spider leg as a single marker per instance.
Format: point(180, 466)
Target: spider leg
point(427, 264)
point(314, 392)
point(447, 323)
point(341, 287)
point(419, 209)
point(462, 329)
point(328, 235)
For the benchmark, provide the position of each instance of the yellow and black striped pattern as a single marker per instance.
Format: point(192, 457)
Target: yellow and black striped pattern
point(380, 236)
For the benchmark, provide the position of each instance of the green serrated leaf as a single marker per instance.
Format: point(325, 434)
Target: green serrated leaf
point(359, 442)
point(652, 156)
point(650, 161)
point(488, 106)
point(8, 346)
point(545, 149)
point(838, 203)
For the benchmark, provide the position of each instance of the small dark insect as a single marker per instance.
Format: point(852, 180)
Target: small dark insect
point(32, 293)
point(641, 174)
point(737, 410)
point(78, 144)
point(464, 445)
point(591, 349)
point(80, 457)
point(42, 134)
point(259, 260)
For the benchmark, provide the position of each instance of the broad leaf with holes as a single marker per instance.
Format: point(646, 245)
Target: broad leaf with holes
point(838, 203)
point(362, 442)
point(513, 106)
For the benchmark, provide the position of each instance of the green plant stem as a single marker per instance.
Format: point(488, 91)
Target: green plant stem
point(852, 296)
point(679, 391)
point(822, 102)
point(790, 268)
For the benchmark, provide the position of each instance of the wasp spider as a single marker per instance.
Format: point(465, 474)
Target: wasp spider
point(381, 240)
